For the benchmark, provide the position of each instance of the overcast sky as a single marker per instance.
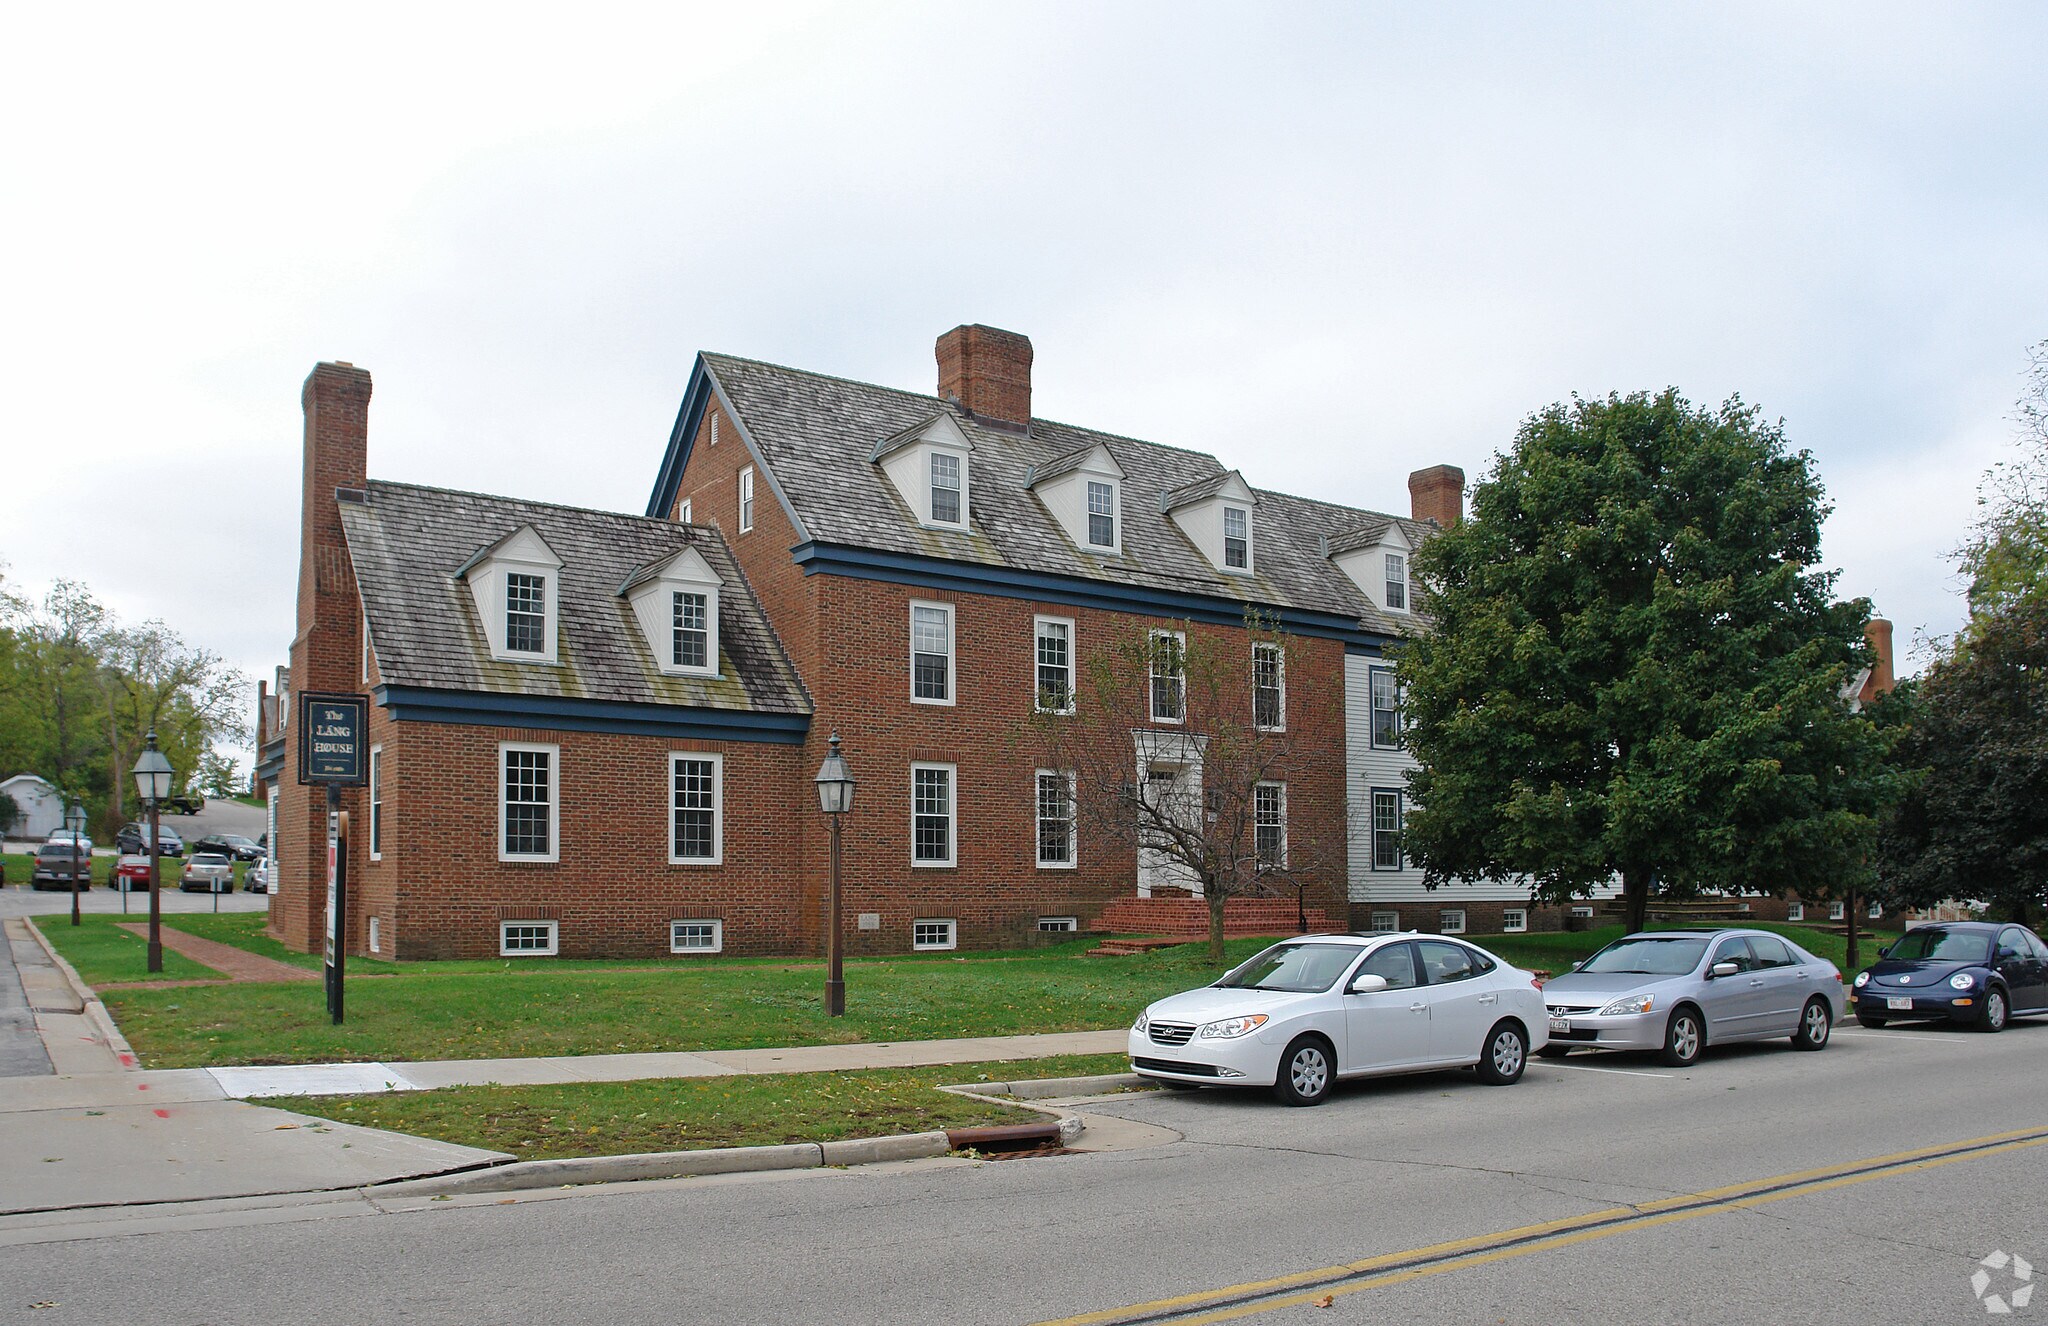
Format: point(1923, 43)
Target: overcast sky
point(1329, 244)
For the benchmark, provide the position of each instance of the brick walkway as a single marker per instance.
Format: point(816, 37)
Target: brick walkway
point(234, 963)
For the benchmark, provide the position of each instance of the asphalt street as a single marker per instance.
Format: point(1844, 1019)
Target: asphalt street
point(1217, 1195)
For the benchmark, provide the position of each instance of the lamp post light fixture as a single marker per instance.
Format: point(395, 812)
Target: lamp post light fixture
point(74, 820)
point(835, 798)
point(153, 784)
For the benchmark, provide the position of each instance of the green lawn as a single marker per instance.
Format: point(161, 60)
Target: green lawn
point(682, 1114)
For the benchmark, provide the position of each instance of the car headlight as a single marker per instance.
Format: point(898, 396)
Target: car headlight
point(1862, 979)
point(1230, 1027)
point(1630, 1004)
point(1962, 980)
point(1142, 1024)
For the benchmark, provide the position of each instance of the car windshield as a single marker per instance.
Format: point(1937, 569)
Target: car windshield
point(1647, 955)
point(1933, 944)
point(1294, 968)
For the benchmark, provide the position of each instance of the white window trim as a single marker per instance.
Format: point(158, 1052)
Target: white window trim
point(553, 949)
point(1372, 826)
point(746, 512)
point(1795, 911)
point(717, 856)
point(1223, 542)
point(683, 511)
point(376, 936)
point(951, 941)
point(717, 935)
point(1407, 581)
point(1514, 920)
point(1280, 675)
point(1372, 729)
point(952, 652)
point(1876, 912)
point(1838, 911)
point(1059, 925)
point(1585, 913)
point(376, 801)
point(1392, 919)
point(1038, 624)
point(1270, 782)
point(1116, 517)
point(1151, 657)
point(931, 454)
point(1073, 860)
point(952, 815)
point(1451, 921)
point(366, 646)
point(554, 852)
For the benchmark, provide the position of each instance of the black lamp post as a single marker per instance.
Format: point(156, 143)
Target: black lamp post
point(835, 798)
point(153, 784)
point(74, 820)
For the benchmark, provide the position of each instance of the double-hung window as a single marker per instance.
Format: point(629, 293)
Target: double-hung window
point(1101, 514)
point(1055, 819)
point(695, 806)
point(1386, 829)
point(1237, 538)
point(1386, 709)
point(1054, 648)
point(1269, 824)
point(528, 809)
point(931, 653)
point(690, 629)
point(1397, 582)
point(376, 803)
point(1269, 687)
point(1168, 670)
point(931, 814)
point(945, 488)
point(746, 499)
point(526, 613)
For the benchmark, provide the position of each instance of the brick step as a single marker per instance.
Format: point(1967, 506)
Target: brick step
point(1188, 918)
point(1126, 947)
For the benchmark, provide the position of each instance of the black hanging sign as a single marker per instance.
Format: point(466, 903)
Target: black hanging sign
point(334, 739)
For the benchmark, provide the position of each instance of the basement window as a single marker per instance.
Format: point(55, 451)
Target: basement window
point(527, 939)
point(1451, 921)
point(1058, 925)
point(934, 934)
point(696, 936)
point(1514, 920)
point(1795, 911)
point(1386, 920)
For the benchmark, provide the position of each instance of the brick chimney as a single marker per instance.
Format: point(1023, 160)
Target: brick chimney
point(336, 400)
point(988, 371)
point(1878, 632)
point(1438, 494)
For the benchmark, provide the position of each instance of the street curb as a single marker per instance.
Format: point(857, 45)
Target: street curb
point(93, 1008)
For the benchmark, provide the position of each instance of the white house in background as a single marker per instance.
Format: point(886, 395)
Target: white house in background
point(40, 804)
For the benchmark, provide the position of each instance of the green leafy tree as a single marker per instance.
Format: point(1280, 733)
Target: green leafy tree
point(1975, 822)
point(1634, 670)
point(2005, 559)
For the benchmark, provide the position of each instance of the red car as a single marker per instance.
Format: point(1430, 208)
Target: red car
point(131, 875)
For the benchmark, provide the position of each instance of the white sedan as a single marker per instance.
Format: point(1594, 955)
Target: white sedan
point(1311, 1010)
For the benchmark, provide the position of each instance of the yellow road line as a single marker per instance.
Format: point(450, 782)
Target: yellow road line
point(1460, 1254)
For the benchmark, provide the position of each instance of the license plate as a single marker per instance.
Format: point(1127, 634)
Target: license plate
point(1896, 1002)
point(1559, 1026)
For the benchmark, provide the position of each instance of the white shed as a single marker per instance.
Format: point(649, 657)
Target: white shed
point(40, 804)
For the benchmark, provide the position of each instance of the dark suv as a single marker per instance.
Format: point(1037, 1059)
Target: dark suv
point(169, 841)
point(56, 861)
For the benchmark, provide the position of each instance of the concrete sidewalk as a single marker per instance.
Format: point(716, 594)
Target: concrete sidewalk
point(100, 1132)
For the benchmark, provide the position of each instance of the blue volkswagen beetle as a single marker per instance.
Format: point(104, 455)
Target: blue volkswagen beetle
point(1975, 972)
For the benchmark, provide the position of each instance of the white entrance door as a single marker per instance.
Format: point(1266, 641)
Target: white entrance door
point(1170, 787)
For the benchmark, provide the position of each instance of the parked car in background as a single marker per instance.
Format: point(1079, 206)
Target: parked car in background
point(131, 874)
point(1978, 972)
point(1311, 1010)
point(1679, 991)
point(68, 836)
point(57, 862)
point(256, 879)
point(208, 872)
point(229, 844)
point(133, 836)
point(183, 803)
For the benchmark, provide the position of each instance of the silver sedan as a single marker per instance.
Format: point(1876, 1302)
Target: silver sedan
point(1678, 991)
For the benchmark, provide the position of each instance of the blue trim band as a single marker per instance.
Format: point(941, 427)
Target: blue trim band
point(669, 479)
point(420, 704)
point(1077, 591)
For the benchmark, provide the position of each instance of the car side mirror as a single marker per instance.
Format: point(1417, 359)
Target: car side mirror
point(1368, 983)
point(1724, 969)
point(1885, 952)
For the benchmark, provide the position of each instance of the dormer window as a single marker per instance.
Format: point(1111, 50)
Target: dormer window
point(1237, 539)
point(1101, 514)
point(526, 614)
point(1397, 583)
point(945, 488)
point(516, 586)
point(675, 601)
point(690, 640)
point(1375, 557)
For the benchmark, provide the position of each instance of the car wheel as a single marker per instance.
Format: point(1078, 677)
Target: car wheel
point(1505, 1056)
point(1815, 1022)
point(1306, 1071)
point(1553, 1051)
point(1872, 1021)
point(1995, 1011)
point(1683, 1037)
